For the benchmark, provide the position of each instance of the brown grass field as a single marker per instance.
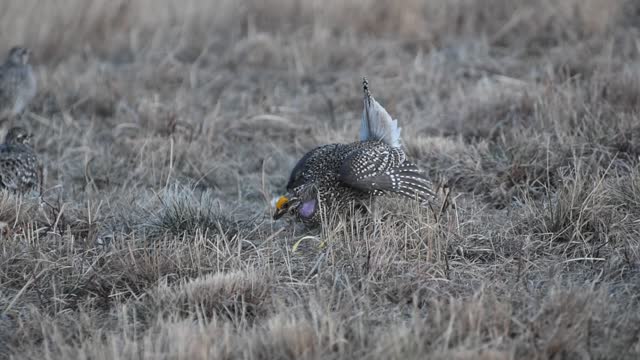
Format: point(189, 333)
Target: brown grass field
point(167, 127)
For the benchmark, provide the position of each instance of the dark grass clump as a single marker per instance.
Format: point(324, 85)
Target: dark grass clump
point(183, 212)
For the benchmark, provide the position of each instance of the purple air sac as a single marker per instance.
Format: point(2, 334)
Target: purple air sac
point(308, 208)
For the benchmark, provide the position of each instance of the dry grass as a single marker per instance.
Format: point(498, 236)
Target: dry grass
point(166, 130)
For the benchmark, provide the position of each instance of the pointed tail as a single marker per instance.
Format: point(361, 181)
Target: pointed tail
point(377, 124)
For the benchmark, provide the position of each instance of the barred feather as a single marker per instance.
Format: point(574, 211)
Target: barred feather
point(383, 169)
point(410, 181)
point(20, 170)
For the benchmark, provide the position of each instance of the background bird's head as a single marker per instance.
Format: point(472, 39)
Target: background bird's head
point(19, 55)
point(18, 135)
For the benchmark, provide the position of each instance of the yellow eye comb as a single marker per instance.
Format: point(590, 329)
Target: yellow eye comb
point(282, 201)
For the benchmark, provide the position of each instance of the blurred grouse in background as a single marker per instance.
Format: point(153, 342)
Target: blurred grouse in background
point(333, 176)
point(17, 83)
point(20, 170)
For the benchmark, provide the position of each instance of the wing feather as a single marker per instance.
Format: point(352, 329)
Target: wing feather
point(384, 169)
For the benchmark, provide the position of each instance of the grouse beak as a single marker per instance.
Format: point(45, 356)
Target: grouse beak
point(282, 206)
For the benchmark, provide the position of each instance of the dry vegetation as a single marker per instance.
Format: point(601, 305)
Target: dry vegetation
point(166, 130)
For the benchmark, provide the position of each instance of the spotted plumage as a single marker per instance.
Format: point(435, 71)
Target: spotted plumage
point(337, 175)
point(20, 170)
point(17, 83)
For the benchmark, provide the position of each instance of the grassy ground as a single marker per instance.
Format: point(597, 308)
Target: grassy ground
point(167, 129)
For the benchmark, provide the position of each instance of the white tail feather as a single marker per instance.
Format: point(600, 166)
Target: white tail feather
point(377, 124)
